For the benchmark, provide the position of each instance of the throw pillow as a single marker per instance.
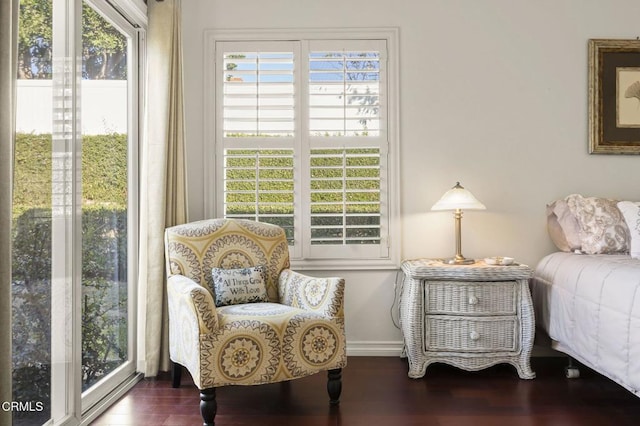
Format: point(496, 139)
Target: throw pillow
point(235, 286)
point(563, 226)
point(631, 213)
point(603, 229)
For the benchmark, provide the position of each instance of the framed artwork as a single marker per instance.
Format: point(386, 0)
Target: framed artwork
point(614, 96)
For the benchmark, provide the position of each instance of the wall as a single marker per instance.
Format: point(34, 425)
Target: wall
point(493, 93)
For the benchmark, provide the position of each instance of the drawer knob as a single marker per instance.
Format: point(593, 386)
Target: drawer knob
point(473, 300)
point(474, 335)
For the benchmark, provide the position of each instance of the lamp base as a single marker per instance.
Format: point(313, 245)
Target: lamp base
point(457, 261)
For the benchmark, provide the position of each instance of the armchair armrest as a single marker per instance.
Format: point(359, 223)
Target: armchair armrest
point(322, 295)
point(186, 297)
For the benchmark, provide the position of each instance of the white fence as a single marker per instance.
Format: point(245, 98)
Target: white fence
point(103, 106)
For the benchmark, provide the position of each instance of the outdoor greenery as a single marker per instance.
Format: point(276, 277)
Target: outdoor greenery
point(260, 181)
point(104, 48)
point(103, 326)
point(104, 253)
point(104, 170)
point(266, 177)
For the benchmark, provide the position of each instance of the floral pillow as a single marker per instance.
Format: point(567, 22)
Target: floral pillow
point(631, 213)
point(235, 286)
point(603, 229)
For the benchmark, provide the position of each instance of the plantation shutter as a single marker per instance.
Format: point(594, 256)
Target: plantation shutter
point(345, 196)
point(258, 88)
point(301, 136)
point(256, 125)
point(344, 88)
point(347, 149)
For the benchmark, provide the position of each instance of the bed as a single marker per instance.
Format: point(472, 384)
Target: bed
point(589, 305)
point(587, 297)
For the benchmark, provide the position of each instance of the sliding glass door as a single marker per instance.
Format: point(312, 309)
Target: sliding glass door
point(109, 201)
point(74, 208)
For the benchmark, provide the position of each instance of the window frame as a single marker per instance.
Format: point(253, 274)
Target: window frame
point(301, 256)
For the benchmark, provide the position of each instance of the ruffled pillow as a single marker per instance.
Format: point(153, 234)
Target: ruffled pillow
point(631, 212)
point(603, 229)
point(563, 226)
point(235, 286)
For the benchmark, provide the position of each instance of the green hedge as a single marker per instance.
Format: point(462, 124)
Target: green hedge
point(104, 171)
point(274, 168)
point(104, 176)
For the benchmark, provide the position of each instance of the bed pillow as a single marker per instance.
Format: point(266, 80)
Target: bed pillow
point(235, 286)
point(563, 226)
point(631, 213)
point(603, 229)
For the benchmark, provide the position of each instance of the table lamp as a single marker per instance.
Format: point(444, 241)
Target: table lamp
point(458, 199)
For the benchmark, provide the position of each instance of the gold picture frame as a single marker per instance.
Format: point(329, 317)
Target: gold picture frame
point(614, 96)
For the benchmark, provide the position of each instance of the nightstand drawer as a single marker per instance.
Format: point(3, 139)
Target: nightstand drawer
point(471, 334)
point(472, 297)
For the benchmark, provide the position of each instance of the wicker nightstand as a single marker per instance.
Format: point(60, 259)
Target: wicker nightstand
point(469, 316)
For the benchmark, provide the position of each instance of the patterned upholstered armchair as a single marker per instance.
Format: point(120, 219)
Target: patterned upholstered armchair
point(296, 331)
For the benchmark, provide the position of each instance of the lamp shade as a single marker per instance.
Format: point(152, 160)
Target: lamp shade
point(458, 198)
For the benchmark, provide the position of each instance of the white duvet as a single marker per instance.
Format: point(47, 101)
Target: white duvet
point(590, 307)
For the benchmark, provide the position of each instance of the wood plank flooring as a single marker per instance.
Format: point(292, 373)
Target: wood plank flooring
point(376, 391)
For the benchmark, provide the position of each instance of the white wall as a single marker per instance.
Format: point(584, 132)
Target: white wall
point(493, 93)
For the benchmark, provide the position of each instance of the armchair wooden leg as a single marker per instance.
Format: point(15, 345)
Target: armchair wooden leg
point(208, 406)
point(176, 374)
point(334, 385)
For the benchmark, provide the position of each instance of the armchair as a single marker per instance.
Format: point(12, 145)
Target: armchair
point(299, 331)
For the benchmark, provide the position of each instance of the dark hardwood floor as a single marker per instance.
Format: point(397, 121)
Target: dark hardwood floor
point(377, 391)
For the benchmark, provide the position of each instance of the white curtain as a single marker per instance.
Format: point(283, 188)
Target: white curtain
point(163, 196)
point(8, 47)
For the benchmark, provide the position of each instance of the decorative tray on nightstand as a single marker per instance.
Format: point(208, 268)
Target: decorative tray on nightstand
point(498, 261)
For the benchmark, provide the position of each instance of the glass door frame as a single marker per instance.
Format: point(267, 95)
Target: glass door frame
point(96, 393)
point(69, 405)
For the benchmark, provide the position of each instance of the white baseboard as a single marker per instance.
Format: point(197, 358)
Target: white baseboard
point(378, 348)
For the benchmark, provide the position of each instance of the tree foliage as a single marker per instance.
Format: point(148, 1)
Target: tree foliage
point(104, 48)
point(104, 298)
point(35, 39)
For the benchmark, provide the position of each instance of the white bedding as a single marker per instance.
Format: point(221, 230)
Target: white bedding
point(590, 307)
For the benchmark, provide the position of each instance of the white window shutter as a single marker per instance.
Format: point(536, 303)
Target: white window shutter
point(302, 142)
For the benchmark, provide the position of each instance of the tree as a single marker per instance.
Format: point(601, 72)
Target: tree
point(35, 39)
point(104, 48)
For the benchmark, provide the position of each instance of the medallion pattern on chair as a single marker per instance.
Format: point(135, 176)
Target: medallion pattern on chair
point(245, 351)
point(319, 345)
point(269, 342)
